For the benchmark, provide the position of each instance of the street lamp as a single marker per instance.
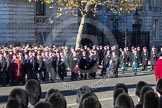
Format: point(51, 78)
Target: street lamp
point(44, 26)
point(136, 29)
point(126, 32)
point(51, 23)
point(136, 17)
point(126, 37)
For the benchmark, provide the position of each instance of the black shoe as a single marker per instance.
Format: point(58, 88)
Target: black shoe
point(11, 84)
point(4, 85)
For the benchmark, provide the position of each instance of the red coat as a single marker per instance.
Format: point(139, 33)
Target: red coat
point(158, 69)
point(15, 68)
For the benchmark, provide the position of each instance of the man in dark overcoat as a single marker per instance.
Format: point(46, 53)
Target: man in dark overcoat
point(100, 54)
point(74, 60)
point(55, 63)
point(83, 64)
point(40, 67)
point(144, 58)
point(8, 57)
point(116, 62)
point(2, 70)
point(153, 57)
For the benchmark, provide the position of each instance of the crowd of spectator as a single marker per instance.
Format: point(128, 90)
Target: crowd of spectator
point(30, 97)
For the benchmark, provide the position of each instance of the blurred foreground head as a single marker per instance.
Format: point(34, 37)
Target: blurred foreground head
point(33, 89)
point(121, 85)
point(159, 87)
point(13, 103)
point(139, 86)
point(145, 89)
point(116, 93)
point(43, 105)
point(124, 101)
point(90, 102)
point(21, 95)
point(51, 91)
point(151, 100)
point(57, 100)
point(82, 90)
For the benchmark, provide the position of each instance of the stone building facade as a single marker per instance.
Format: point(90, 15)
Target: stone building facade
point(16, 21)
point(150, 20)
point(22, 22)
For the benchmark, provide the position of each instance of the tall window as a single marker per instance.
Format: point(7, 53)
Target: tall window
point(40, 8)
point(156, 28)
point(153, 3)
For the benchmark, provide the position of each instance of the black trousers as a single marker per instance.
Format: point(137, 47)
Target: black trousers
point(12, 78)
point(7, 77)
point(23, 76)
point(74, 76)
point(3, 78)
point(39, 72)
point(144, 67)
point(61, 71)
point(116, 70)
point(92, 75)
point(152, 67)
point(83, 75)
point(31, 74)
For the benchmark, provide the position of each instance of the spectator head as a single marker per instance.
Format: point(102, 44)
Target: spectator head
point(57, 100)
point(139, 86)
point(51, 91)
point(43, 105)
point(21, 95)
point(116, 93)
point(121, 85)
point(90, 94)
point(90, 102)
point(144, 89)
point(13, 103)
point(151, 100)
point(124, 101)
point(159, 87)
point(33, 90)
point(83, 90)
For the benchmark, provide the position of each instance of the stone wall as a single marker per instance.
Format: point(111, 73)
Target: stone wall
point(4, 19)
point(17, 18)
point(64, 28)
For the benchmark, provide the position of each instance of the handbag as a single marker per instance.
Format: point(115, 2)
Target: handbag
point(76, 69)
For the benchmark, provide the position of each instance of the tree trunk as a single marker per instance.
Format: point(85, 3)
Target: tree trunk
point(80, 31)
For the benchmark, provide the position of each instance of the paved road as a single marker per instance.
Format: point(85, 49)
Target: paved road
point(102, 87)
